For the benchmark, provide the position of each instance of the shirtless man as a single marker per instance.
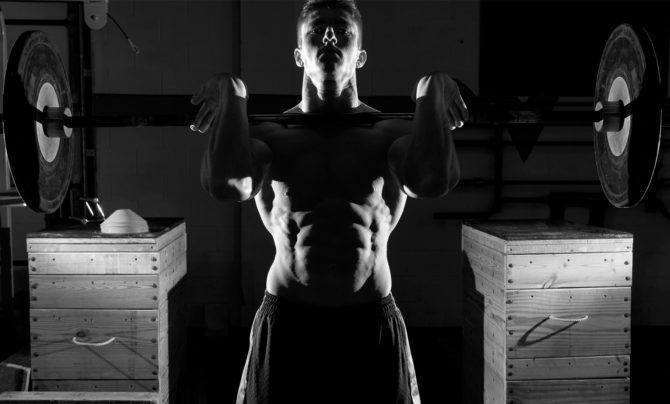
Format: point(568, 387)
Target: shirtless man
point(328, 329)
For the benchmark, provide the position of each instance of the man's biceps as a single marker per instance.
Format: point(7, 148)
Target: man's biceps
point(261, 152)
point(400, 146)
point(262, 165)
point(397, 152)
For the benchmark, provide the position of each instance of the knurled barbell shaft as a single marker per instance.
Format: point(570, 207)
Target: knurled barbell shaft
point(612, 114)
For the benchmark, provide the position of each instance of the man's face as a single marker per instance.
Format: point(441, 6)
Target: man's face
point(329, 46)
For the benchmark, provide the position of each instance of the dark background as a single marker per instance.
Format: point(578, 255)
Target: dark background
point(495, 47)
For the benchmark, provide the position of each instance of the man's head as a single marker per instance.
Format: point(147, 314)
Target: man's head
point(329, 40)
point(347, 6)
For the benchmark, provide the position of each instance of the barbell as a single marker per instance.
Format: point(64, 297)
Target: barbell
point(37, 119)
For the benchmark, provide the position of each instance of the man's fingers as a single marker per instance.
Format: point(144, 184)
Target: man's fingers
point(197, 122)
point(206, 122)
point(455, 119)
point(199, 96)
point(451, 120)
point(464, 108)
point(460, 116)
point(460, 110)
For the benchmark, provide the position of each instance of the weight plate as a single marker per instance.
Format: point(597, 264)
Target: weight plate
point(626, 159)
point(3, 50)
point(41, 166)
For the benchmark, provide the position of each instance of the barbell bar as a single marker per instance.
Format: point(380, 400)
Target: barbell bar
point(613, 114)
point(37, 119)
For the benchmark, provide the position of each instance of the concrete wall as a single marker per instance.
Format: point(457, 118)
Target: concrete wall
point(154, 171)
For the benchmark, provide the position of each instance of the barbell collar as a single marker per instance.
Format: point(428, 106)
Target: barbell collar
point(52, 120)
point(613, 115)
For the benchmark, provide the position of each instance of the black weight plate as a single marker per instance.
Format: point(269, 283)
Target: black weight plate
point(3, 50)
point(626, 160)
point(41, 166)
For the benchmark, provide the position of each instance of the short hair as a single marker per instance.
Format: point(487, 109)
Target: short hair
point(347, 5)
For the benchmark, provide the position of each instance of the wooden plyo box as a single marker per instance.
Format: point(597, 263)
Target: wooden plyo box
point(107, 312)
point(546, 313)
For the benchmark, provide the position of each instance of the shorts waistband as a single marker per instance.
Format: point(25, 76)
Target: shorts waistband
point(385, 306)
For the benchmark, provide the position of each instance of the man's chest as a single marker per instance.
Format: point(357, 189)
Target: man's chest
point(348, 162)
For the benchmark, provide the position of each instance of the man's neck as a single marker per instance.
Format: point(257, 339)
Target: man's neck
point(329, 97)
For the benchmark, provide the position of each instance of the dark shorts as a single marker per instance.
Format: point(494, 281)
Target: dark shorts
point(306, 354)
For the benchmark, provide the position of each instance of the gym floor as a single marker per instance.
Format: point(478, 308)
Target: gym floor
point(215, 364)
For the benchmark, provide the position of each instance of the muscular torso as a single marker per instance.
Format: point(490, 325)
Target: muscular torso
point(330, 204)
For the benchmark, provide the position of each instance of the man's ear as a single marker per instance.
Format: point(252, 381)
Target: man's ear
point(297, 55)
point(362, 58)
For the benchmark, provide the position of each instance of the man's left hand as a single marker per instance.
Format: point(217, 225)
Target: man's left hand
point(440, 86)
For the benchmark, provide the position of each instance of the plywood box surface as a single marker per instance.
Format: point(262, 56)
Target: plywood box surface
point(107, 311)
point(539, 236)
point(546, 312)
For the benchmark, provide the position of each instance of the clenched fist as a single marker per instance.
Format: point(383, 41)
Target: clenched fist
point(213, 95)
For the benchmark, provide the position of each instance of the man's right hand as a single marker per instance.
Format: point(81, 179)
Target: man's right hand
point(213, 95)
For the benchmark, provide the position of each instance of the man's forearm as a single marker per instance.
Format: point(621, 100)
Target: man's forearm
point(228, 166)
point(431, 166)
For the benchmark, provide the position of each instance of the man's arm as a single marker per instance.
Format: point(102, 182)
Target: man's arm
point(234, 165)
point(425, 162)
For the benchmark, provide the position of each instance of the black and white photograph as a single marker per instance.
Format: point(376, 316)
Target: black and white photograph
point(334, 201)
